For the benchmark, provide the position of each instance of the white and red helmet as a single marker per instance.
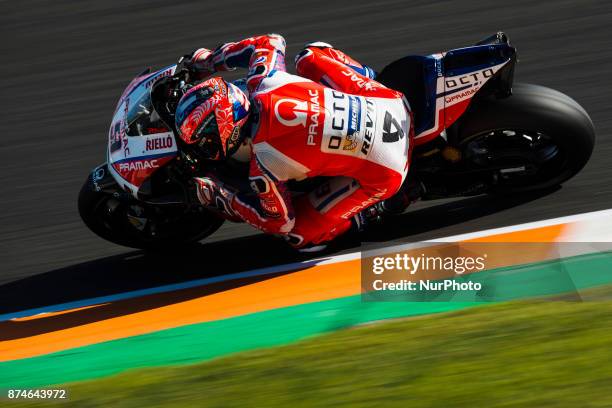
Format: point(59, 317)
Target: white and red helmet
point(212, 114)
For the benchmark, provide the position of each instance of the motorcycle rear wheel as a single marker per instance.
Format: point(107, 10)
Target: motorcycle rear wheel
point(537, 137)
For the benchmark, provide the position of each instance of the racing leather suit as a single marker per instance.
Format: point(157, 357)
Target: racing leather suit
point(333, 120)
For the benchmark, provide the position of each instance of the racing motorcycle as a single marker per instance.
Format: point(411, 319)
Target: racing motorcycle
point(475, 132)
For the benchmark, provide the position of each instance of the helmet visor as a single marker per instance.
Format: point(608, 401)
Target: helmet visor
point(209, 139)
point(190, 102)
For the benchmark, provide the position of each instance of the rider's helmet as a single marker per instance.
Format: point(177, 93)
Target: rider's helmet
point(212, 114)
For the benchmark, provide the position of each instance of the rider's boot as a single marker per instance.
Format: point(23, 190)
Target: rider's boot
point(411, 191)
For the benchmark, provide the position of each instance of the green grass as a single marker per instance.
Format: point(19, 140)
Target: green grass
point(520, 354)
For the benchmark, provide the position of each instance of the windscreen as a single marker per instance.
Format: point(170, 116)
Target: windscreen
point(142, 119)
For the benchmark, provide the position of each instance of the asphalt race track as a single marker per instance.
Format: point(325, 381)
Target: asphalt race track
point(65, 63)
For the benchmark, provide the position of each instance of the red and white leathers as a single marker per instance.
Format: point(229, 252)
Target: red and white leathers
point(332, 120)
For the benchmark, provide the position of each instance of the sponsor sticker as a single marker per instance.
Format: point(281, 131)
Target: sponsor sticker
point(137, 165)
point(159, 143)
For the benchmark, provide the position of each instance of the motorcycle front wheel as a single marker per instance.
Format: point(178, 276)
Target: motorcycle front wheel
point(134, 224)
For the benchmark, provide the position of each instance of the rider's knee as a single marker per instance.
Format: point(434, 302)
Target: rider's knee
point(318, 44)
point(309, 49)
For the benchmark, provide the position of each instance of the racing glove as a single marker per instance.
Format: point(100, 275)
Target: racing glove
point(215, 195)
point(199, 63)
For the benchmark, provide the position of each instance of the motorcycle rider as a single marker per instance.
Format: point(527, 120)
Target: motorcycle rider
point(333, 120)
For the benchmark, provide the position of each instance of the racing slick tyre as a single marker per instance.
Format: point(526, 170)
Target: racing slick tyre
point(534, 139)
point(139, 225)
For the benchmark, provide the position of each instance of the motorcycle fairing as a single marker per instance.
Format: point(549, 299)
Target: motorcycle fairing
point(139, 141)
point(441, 86)
point(466, 70)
